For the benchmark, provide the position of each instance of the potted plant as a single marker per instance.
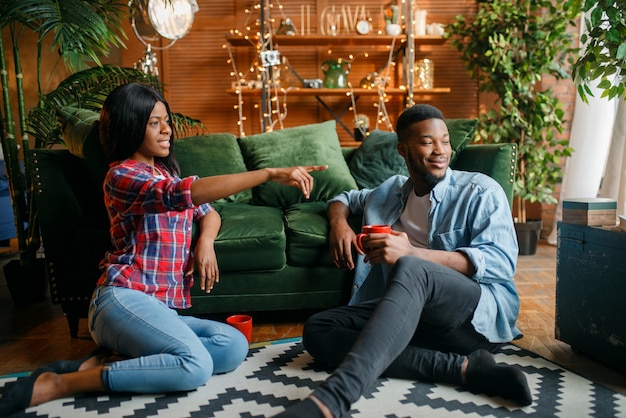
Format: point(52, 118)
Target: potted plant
point(508, 46)
point(82, 32)
point(361, 127)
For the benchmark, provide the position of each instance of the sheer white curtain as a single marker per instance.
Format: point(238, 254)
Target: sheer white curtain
point(614, 181)
point(597, 167)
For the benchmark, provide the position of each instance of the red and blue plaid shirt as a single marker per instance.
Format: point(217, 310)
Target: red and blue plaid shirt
point(151, 221)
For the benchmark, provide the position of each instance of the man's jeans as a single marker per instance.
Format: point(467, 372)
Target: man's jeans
point(167, 352)
point(420, 329)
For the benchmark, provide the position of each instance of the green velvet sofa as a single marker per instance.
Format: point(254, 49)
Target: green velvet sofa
point(272, 247)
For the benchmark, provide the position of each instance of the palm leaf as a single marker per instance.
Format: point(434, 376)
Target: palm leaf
point(88, 89)
point(87, 27)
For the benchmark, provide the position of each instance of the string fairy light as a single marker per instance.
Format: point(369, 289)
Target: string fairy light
point(264, 67)
point(239, 105)
point(263, 75)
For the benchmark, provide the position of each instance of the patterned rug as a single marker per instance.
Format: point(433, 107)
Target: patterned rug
point(277, 374)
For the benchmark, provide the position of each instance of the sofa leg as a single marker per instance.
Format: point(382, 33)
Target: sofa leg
point(73, 311)
point(72, 322)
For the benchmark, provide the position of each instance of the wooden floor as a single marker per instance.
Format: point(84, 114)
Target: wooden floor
point(33, 335)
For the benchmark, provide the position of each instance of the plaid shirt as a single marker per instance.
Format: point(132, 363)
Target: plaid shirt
point(151, 220)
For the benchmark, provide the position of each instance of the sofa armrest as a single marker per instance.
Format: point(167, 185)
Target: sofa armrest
point(495, 160)
point(73, 221)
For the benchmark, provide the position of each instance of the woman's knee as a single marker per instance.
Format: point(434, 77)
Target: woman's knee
point(196, 368)
point(233, 354)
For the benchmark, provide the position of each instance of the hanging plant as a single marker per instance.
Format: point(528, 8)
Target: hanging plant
point(604, 54)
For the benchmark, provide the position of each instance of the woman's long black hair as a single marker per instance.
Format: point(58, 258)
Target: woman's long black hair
point(123, 120)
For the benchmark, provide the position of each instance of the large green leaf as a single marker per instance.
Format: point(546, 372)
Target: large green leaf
point(88, 89)
point(604, 54)
point(87, 27)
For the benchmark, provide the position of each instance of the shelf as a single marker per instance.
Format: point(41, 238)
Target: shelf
point(340, 40)
point(344, 92)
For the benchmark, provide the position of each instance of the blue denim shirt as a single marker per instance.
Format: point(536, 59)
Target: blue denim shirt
point(470, 213)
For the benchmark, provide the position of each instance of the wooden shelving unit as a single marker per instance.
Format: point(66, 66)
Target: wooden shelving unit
point(342, 92)
point(401, 51)
point(343, 40)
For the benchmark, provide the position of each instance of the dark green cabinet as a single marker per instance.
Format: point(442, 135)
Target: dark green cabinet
point(591, 291)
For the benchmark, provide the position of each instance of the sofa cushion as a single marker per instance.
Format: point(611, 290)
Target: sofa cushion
point(210, 155)
point(314, 144)
point(251, 238)
point(307, 234)
point(307, 230)
point(377, 158)
point(79, 131)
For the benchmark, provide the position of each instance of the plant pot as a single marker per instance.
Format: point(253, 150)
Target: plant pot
point(360, 134)
point(27, 284)
point(393, 29)
point(527, 236)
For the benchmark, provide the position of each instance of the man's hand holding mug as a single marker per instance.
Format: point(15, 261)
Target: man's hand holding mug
point(370, 229)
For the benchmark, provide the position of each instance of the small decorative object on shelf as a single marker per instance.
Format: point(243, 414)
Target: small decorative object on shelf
point(364, 24)
point(369, 81)
point(361, 127)
point(436, 29)
point(392, 16)
point(312, 83)
point(336, 73)
point(286, 27)
point(419, 22)
point(424, 74)
point(363, 27)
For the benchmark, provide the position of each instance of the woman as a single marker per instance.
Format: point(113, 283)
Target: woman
point(149, 273)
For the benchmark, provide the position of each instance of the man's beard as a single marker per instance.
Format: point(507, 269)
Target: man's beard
point(433, 179)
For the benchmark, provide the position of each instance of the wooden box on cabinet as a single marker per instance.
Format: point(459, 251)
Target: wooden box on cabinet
point(591, 291)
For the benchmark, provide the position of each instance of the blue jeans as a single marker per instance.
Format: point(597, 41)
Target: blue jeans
point(167, 352)
point(420, 329)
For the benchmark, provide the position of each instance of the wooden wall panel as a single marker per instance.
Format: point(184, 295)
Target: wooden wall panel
point(197, 72)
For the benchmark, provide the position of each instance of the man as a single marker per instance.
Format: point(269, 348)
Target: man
point(432, 299)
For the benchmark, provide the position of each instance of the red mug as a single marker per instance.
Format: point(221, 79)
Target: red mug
point(243, 323)
point(371, 229)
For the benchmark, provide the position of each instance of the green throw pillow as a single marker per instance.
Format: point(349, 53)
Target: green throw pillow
point(210, 155)
point(461, 134)
point(77, 126)
point(314, 144)
point(79, 130)
point(377, 158)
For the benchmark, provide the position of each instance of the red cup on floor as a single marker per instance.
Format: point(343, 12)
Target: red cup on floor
point(243, 323)
point(371, 229)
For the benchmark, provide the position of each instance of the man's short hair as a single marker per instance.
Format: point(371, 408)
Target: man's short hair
point(416, 113)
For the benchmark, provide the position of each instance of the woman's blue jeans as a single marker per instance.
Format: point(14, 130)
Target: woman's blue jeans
point(167, 352)
point(420, 329)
